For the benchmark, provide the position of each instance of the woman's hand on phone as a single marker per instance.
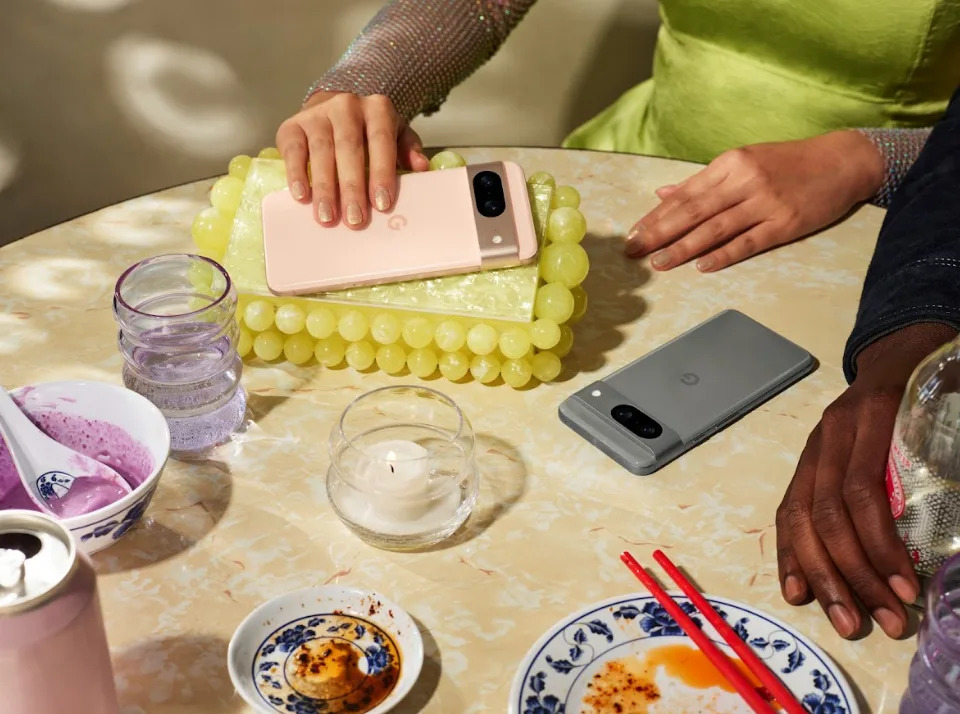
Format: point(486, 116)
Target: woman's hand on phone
point(340, 134)
point(751, 199)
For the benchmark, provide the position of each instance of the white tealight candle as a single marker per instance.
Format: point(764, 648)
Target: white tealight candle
point(397, 479)
point(395, 492)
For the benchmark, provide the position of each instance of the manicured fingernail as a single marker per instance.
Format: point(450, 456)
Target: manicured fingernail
point(661, 259)
point(382, 199)
point(354, 215)
point(298, 190)
point(889, 623)
point(324, 211)
point(705, 263)
point(634, 244)
point(902, 587)
point(793, 589)
point(842, 620)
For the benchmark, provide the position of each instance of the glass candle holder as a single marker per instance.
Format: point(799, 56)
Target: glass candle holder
point(934, 686)
point(178, 337)
point(403, 473)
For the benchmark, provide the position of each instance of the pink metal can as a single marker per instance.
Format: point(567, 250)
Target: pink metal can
point(53, 648)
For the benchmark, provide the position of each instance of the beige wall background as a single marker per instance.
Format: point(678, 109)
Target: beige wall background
point(102, 100)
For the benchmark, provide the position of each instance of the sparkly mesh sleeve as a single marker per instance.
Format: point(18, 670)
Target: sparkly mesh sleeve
point(417, 51)
point(899, 148)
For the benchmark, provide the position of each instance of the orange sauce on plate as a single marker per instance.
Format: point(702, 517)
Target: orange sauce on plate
point(628, 685)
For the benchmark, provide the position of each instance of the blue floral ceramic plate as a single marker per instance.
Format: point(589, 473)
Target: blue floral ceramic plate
point(328, 649)
point(629, 655)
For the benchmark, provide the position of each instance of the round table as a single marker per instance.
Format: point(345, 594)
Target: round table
point(253, 522)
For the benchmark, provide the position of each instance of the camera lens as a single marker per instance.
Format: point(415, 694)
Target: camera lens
point(486, 180)
point(650, 430)
point(488, 193)
point(491, 208)
point(636, 421)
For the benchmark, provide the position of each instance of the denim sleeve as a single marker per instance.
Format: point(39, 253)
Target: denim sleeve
point(914, 275)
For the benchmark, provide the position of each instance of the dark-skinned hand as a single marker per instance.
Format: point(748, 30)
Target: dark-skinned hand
point(836, 537)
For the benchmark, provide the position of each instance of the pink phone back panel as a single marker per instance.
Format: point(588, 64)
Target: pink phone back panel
point(430, 231)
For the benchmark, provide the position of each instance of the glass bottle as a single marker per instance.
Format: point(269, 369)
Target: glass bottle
point(923, 471)
point(178, 337)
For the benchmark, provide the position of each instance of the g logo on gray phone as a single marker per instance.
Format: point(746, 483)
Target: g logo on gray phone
point(397, 223)
point(690, 379)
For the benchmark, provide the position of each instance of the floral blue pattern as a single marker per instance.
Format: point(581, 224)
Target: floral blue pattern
point(578, 646)
point(299, 704)
point(378, 659)
point(268, 666)
point(549, 704)
point(655, 621)
point(117, 527)
point(823, 701)
point(550, 671)
point(54, 484)
point(289, 640)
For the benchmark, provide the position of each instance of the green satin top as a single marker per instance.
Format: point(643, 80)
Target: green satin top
point(733, 72)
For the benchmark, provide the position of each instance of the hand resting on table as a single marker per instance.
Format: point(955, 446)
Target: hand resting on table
point(836, 538)
point(751, 199)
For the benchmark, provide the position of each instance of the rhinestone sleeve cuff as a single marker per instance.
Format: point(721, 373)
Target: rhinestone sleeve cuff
point(899, 148)
point(417, 51)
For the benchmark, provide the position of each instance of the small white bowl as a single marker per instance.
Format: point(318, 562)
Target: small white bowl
point(266, 641)
point(122, 408)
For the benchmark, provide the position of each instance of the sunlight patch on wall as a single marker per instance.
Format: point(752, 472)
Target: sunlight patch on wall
point(91, 5)
point(186, 98)
point(9, 163)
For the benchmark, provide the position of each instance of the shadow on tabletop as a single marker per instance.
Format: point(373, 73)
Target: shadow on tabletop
point(175, 674)
point(612, 303)
point(190, 501)
point(861, 700)
point(503, 480)
point(260, 405)
point(430, 676)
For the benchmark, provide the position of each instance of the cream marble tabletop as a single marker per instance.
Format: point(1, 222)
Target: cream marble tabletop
point(227, 534)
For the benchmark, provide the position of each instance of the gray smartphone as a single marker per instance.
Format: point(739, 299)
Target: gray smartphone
point(648, 413)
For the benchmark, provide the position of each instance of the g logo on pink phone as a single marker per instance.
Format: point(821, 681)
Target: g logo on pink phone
point(396, 223)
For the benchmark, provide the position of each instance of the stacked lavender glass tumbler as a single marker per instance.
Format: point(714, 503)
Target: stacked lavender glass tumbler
point(178, 337)
point(935, 670)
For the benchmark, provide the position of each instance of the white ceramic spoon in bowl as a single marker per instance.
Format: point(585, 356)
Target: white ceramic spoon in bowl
point(59, 480)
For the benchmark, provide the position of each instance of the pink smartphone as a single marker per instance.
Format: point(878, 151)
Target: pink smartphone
point(443, 223)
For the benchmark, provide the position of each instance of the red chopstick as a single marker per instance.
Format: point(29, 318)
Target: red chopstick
point(717, 658)
point(743, 650)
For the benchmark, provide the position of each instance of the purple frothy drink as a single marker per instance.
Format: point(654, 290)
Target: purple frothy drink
point(935, 670)
point(99, 440)
point(178, 338)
